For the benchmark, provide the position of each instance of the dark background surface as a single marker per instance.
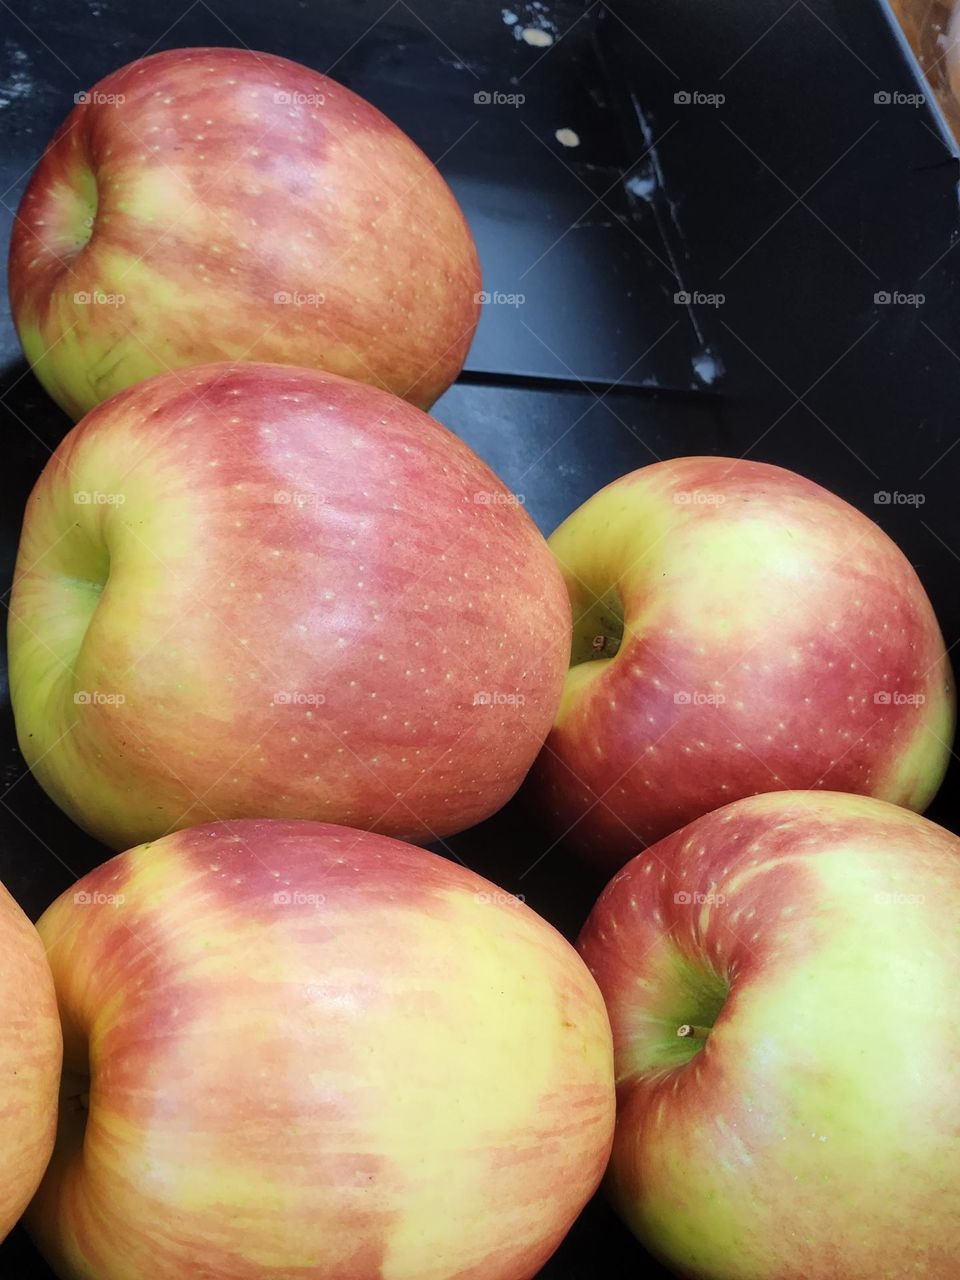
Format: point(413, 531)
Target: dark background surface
point(798, 198)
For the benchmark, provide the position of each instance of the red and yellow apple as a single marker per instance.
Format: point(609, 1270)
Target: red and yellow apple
point(737, 629)
point(30, 1054)
point(259, 591)
point(294, 1049)
point(781, 977)
point(221, 204)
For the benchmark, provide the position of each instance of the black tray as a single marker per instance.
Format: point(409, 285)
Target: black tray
point(800, 198)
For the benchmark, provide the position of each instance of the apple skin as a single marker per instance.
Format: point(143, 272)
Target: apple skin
point(320, 1053)
point(813, 1135)
point(30, 1058)
point(764, 623)
point(283, 598)
point(199, 185)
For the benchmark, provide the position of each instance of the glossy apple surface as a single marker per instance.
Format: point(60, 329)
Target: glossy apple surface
point(258, 591)
point(30, 1055)
point(221, 204)
point(808, 1126)
point(301, 1050)
point(737, 629)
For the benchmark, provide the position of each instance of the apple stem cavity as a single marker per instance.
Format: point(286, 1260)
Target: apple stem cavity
point(690, 1031)
point(598, 633)
point(70, 215)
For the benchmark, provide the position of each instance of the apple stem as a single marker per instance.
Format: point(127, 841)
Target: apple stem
point(689, 1031)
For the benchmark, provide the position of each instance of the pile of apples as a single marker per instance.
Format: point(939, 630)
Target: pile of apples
point(273, 628)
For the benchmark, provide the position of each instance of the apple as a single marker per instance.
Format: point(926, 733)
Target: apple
point(30, 1056)
point(294, 1049)
point(212, 204)
point(260, 591)
point(933, 30)
point(781, 977)
point(737, 629)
